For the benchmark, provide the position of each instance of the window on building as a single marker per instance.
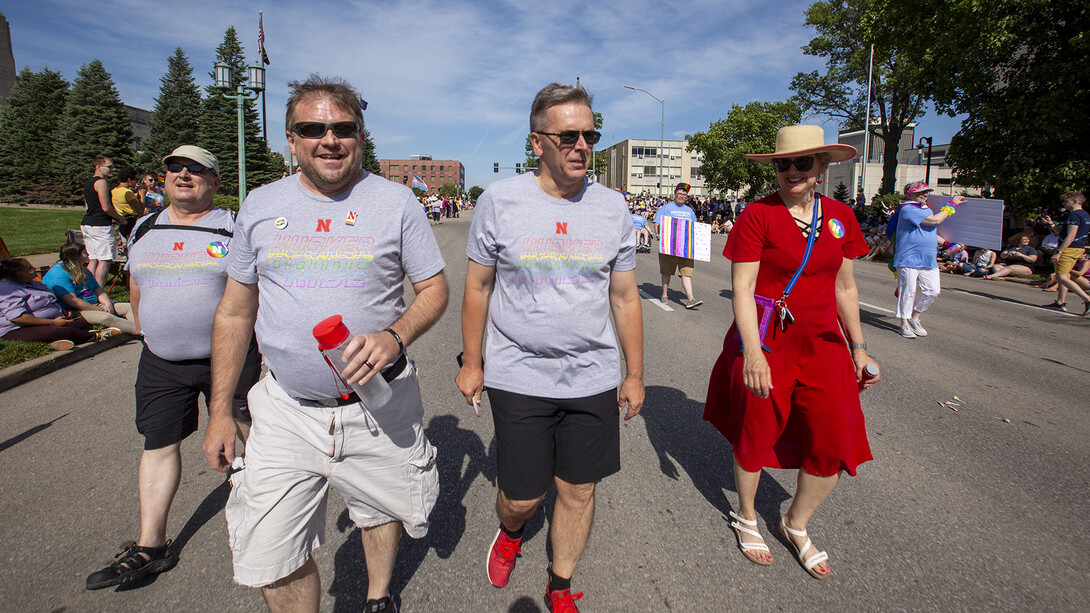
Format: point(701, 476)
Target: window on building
point(650, 170)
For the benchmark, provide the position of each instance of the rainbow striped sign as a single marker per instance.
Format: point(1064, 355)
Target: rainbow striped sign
point(685, 239)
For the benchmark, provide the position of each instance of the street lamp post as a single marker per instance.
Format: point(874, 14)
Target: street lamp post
point(662, 132)
point(244, 92)
point(927, 175)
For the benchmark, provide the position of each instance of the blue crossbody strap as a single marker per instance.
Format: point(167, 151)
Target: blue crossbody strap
point(809, 247)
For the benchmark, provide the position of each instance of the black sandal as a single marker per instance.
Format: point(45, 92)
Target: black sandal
point(133, 563)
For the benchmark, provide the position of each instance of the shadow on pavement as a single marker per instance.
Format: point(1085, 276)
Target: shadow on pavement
point(879, 321)
point(681, 437)
point(18, 438)
point(525, 604)
point(460, 459)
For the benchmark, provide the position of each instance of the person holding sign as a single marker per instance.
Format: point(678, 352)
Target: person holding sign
point(668, 264)
point(785, 389)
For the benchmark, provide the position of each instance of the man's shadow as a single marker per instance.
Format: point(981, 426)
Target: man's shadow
point(681, 438)
point(460, 459)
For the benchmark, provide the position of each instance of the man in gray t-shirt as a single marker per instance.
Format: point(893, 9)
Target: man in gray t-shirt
point(551, 254)
point(177, 273)
point(333, 240)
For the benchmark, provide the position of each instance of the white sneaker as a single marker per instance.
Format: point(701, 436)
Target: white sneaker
point(906, 331)
point(916, 327)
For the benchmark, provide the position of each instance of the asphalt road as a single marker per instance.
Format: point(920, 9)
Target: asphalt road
point(959, 510)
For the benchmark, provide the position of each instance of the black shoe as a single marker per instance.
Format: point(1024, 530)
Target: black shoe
point(1085, 309)
point(1056, 306)
point(385, 603)
point(132, 565)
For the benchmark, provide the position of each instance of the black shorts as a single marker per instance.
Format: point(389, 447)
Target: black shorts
point(167, 391)
point(575, 439)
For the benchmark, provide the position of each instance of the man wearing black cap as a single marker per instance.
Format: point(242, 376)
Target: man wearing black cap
point(668, 264)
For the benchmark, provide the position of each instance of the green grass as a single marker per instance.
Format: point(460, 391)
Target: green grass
point(15, 352)
point(27, 231)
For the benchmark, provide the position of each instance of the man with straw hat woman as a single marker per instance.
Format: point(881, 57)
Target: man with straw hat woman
point(785, 389)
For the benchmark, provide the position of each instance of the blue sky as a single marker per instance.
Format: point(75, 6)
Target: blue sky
point(455, 78)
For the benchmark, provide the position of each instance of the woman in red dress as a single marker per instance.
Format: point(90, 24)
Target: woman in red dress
point(792, 401)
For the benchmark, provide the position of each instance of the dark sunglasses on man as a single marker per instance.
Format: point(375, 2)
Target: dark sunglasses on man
point(784, 164)
point(317, 129)
point(570, 137)
point(194, 169)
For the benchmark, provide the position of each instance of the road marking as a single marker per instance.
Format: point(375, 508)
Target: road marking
point(877, 308)
point(1021, 304)
point(655, 301)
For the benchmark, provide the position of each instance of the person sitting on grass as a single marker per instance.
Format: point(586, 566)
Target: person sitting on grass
point(76, 287)
point(29, 311)
point(952, 257)
point(983, 260)
point(1017, 260)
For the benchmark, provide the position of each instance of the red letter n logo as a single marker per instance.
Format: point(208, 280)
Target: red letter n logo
point(561, 228)
point(323, 225)
point(178, 246)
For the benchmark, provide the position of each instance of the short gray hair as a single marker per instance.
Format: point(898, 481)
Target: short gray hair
point(555, 94)
point(316, 86)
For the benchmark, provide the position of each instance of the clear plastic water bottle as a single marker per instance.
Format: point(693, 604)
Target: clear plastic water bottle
point(332, 336)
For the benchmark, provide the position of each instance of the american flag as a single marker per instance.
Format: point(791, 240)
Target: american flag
point(261, 37)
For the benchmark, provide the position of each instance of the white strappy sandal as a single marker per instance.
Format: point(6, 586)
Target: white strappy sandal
point(748, 526)
point(810, 562)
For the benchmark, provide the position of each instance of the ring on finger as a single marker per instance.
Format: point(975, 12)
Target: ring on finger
point(369, 365)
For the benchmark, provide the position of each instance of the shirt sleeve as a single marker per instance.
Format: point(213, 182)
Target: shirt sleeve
point(626, 256)
point(58, 281)
point(481, 245)
point(420, 255)
point(13, 305)
point(242, 264)
point(746, 241)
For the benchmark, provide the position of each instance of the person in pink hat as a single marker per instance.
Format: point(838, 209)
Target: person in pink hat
point(915, 256)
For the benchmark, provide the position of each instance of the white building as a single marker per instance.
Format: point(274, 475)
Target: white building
point(634, 167)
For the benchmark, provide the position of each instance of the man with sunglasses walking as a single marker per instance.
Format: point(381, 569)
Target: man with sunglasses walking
point(333, 240)
point(551, 254)
point(176, 278)
point(669, 264)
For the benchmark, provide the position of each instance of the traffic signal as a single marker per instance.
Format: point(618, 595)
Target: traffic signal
point(495, 167)
point(518, 168)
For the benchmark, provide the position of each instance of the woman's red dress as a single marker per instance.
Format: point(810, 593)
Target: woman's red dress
point(812, 418)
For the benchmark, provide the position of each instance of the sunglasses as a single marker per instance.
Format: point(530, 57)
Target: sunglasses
point(784, 164)
point(570, 137)
point(317, 129)
point(194, 169)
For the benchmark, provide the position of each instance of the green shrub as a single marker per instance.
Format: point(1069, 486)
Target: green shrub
point(224, 201)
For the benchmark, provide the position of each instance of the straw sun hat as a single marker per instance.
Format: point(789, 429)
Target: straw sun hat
point(803, 140)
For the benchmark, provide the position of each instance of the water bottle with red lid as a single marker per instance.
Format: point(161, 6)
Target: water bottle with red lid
point(333, 336)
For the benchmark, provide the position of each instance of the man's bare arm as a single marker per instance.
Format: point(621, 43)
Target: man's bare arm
point(231, 333)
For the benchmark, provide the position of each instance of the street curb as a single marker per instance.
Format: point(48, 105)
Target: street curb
point(38, 367)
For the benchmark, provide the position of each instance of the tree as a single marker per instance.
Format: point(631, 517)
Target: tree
point(177, 111)
point(95, 123)
point(449, 190)
point(419, 193)
point(28, 123)
point(846, 29)
point(474, 193)
point(841, 192)
point(218, 128)
point(1022, 82)
point(370, 160)
point(748, 129)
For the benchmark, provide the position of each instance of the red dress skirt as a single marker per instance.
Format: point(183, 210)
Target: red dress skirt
point(812, 418)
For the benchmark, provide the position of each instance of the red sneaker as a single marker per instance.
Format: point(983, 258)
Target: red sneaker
point(562, 601)
point(501, 558)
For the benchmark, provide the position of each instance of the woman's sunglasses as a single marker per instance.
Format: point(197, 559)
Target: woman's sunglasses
point(784, 164)
point(317, 129)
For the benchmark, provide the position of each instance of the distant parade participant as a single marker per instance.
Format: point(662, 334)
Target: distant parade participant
point(915, 257)
point(98, 222)
point(1076, 229)
point(669, 264)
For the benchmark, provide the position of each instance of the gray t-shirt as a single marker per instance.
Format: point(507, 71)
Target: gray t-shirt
point(548, 329)
point(181, 274)
point(313, 256)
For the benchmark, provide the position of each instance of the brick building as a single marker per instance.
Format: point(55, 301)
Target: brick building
point(435, 173)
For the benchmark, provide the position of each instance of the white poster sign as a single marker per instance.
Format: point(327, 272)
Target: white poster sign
point(977, 223)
